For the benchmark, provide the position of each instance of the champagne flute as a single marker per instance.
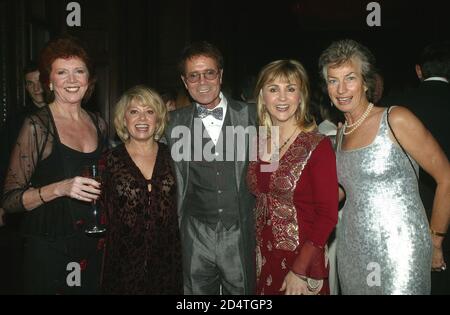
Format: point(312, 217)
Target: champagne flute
point(95, 227)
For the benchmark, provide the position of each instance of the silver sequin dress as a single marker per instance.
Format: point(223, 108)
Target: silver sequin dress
point(383, 241)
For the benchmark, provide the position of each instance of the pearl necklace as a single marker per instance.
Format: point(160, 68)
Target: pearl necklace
point(358, 123)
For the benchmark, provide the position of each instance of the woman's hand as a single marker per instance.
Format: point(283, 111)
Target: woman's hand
point(438, 263)
point(79, 188)
point(294, 285)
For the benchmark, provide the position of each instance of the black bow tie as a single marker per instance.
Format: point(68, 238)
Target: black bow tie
point(217, 113)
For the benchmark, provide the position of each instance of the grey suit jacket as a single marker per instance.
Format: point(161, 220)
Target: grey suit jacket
point(243, 115)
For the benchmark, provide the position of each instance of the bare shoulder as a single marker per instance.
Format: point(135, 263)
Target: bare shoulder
point(401, 114)
point(405, 123)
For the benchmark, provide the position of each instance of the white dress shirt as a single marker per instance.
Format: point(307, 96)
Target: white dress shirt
point(212, 125)
point(442, 79)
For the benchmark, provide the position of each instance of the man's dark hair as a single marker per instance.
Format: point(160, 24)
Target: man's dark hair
point(248, 87)
point(202, 48)
point(435, 60)
point(31, 66)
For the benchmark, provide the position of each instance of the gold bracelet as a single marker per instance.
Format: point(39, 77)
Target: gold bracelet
point(433, 232)
point(40, 196)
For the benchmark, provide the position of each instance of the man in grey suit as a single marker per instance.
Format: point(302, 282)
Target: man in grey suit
point(214, 204)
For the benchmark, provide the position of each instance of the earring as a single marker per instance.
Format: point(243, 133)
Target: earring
point(331, 103)
point(51, 86)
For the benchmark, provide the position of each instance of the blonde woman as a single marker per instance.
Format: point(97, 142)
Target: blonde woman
point(296, 204)
point(143, 254)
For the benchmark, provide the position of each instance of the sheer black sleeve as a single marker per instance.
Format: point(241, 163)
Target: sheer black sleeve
point(103, 128)
point(33, 144)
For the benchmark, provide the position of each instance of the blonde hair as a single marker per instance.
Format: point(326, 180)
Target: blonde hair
point(145, 96)
point(293, 72)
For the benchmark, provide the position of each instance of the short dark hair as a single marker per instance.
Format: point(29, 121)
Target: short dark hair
point(64, 47)
point(248, 87)
point(169, 95)
point(31, 66)
point(434, 60)
point(201, 48)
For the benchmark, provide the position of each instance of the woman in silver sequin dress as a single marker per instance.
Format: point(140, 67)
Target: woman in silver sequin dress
point(384, 244)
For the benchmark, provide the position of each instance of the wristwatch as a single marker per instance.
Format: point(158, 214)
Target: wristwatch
point(311, 284)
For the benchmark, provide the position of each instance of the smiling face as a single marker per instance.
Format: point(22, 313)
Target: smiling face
point(282, 99)
point(346, 87)
point(70, 80)
point(205, 91)
point(140, 121)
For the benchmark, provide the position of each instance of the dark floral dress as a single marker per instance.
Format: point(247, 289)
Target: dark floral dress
point(143, 251)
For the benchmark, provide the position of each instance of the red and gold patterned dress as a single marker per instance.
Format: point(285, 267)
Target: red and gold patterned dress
point(296, 210)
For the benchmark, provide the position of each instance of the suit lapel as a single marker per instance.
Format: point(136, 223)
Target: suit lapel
point(184, 119)
point(239, 117)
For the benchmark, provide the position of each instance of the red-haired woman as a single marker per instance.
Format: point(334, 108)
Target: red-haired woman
point(43, 177)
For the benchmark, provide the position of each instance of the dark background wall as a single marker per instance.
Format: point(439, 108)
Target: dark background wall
point(138, 41)
point(132, 42)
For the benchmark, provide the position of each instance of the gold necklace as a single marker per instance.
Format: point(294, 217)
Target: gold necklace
point(287, 140)
point(358, 123)
point(276, 152)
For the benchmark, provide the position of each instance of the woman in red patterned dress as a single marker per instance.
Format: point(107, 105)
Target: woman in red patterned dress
point(297, 201)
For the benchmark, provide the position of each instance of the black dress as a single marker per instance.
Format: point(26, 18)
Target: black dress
point(143, 250)
point(56, 247)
